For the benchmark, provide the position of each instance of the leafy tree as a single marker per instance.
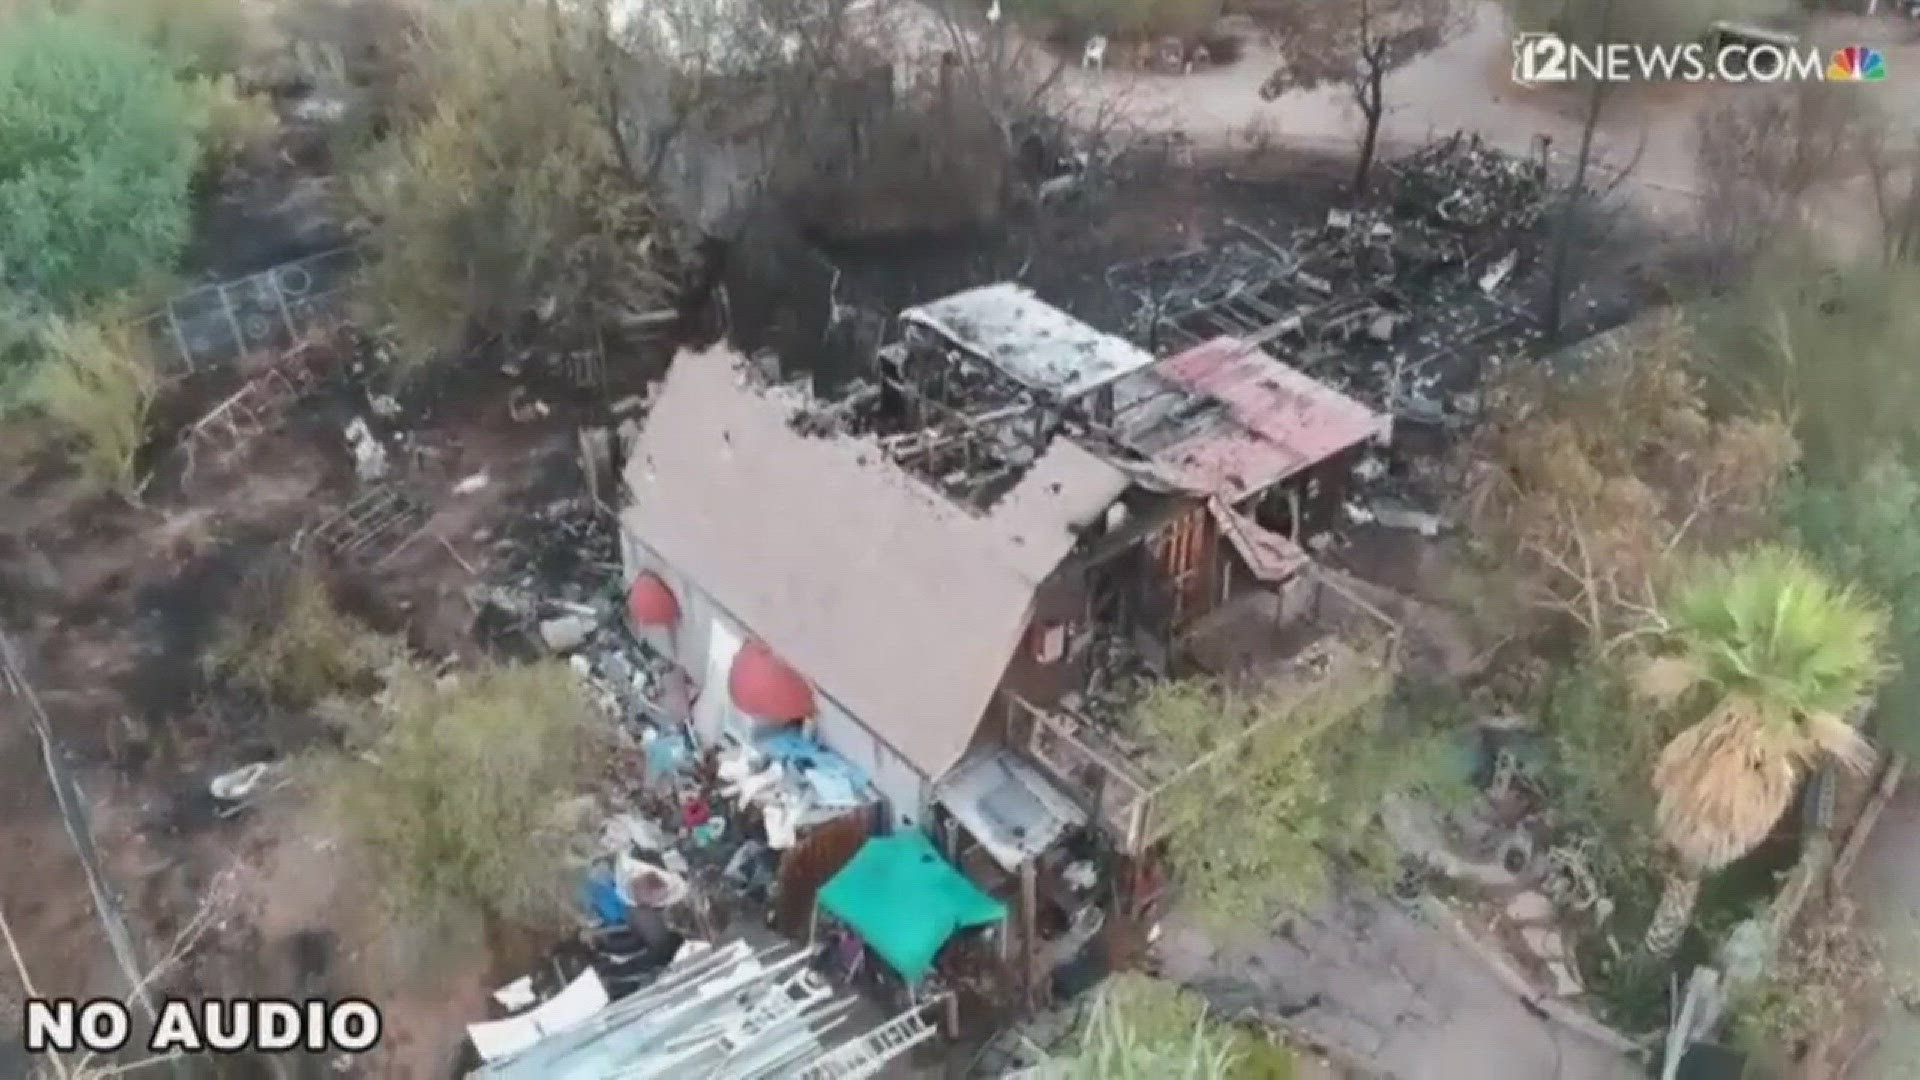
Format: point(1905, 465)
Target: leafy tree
point(502, 191)
point(1587, 482)
point(201, 39)
point(1832, 349)
point(1355, 46)
point(96, 160)
point(1286, 775)
point(452, 794)
point(1774, 657)
point(1867, 529)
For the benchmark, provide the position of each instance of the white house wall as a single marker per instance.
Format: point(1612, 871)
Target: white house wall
point(905, 790)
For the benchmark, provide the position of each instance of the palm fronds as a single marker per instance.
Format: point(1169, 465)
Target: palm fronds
point(1778, 657)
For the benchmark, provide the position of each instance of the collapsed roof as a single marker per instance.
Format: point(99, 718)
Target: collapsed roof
point(1030, 341)
point(1226, 419)
point(902, 606)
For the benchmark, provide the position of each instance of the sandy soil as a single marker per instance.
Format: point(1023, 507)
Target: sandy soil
point(1467, 85)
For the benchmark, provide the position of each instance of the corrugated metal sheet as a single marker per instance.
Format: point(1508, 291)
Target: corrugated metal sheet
point(1030, 340)
point(1228, 420)
point(1013, 811)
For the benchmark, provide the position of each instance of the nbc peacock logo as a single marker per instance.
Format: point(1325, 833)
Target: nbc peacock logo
point(1857, 63)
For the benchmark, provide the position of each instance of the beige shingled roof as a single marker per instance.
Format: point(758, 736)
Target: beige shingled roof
point(900, 605)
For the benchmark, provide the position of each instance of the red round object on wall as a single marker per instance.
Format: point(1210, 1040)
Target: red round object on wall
point(765, 688)
point(651, 603)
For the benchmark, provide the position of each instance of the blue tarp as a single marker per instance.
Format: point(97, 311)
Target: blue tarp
point(601, 897)
point(836, 781)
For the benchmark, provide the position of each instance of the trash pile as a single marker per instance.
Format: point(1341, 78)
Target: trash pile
point(1461, 183)
point(689, 838)
point(1403, 306)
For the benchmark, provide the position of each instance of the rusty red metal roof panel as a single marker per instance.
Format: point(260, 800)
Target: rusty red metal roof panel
point(1226, 419)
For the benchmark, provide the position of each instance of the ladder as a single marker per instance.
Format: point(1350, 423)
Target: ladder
point(861, 1058)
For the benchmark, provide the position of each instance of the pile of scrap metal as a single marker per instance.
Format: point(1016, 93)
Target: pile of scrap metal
point(1398, 306)
point(722, 1013)
point(1461, 182)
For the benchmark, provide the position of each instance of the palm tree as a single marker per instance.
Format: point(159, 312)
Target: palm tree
point(1774, 657)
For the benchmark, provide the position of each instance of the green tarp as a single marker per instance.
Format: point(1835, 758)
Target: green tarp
point(905, 900)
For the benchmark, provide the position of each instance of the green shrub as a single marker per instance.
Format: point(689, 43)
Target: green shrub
point(452, 798)
point(236, 123)
point(98, 146)
point(95, 382)
point(198, 38)
point(290, 643)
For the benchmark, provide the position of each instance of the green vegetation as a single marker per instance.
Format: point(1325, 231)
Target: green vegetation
point(1589, 481)
point(202, 39)
point(503, 189)
point(451, 788)
point(1828, 975)
point(96, 164)
point(291, 644)
point(1769, 659)
point(1142, 1028)
point(1831, 350)
point(1252, 828)
point(95, 383)
point(236, 123)
point(1866, 528)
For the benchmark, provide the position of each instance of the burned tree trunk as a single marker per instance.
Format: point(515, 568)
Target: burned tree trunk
point(1373, 108)
point(1560, 273)
point(1369, 92)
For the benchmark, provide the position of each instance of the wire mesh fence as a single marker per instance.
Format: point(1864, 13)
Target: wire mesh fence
point(268, 311)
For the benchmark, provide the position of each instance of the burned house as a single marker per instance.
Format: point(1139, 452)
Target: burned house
point(946, 574)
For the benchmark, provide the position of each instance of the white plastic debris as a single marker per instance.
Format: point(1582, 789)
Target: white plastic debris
point(566, 633)
point(369, 457)
point(517, 994)
point(471, 484)
point(1340, 219)
point(1400, 517)
point(1497, 275)
point(240, 783)
point(1370, 469)
point(384, 405)
point(1357, 514)
point(782, 827)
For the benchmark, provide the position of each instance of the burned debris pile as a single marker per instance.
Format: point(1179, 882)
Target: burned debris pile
point(1460, 183)
point(1395, 305)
